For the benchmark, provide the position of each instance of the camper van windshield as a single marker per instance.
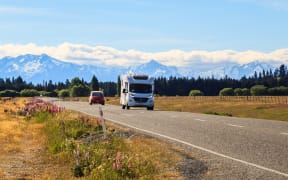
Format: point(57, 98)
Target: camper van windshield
point(140, 88)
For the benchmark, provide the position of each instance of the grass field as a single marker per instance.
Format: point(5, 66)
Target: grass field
point(274, 108)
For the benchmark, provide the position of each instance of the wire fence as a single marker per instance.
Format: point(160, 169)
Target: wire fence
point(253, 99)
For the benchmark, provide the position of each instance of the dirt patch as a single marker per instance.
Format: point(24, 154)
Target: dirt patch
point(26, 163)
point(191, 168)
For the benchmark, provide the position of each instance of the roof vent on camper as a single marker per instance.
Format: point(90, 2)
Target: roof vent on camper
point(140, 77)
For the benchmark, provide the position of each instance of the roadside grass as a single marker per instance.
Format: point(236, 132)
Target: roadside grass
point(227, 107)
point(81, 146)
point(70, 145)
point(163, 161)
point(163, 156)
point(20, 141)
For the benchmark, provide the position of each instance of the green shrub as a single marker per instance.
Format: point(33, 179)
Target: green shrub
point(9, 93)
point(245, 92)
point(226, 92)
point(241, 92)
point(45, 93)
point(29, 93)
point(238, 92)
point(64, 93)
point(278, 91)
point(195, 92)
point(258, 90)
point(79, 91)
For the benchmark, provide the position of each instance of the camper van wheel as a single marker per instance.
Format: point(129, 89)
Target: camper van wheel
point(123, 106)
point(128, 107)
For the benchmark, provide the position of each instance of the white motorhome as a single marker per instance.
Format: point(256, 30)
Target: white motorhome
point(137, 91)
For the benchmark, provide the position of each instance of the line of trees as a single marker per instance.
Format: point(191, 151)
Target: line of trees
point(263, 83)
point(75, 88)
point(273, 83)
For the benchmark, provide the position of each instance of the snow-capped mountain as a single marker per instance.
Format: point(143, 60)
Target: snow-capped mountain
point(39, 68)
point(155, 69)
point(237, 71)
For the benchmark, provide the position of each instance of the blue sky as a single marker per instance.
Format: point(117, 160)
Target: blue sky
point(184, 33)
point(148, 25)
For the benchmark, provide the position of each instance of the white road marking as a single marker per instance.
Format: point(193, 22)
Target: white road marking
point(127, 115)
point(202, 120)
point(235, 125)
point(198, 147)
point(284, 133)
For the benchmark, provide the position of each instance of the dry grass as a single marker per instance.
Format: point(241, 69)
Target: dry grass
point(162, 154)
point(58, 167)
point(11, 131)
point(1, 173)
point(10, 137)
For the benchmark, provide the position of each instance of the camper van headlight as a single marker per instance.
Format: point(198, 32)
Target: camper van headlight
point(149, 97)
point(132, 95)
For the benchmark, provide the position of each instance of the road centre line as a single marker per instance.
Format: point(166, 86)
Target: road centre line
point(284, 133)
point(198, 147)
point(202, 120)
point(235, 125)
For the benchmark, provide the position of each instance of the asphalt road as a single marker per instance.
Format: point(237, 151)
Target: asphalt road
point(258, 146)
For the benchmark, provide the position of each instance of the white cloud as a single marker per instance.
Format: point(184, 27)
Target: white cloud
point(84, 54)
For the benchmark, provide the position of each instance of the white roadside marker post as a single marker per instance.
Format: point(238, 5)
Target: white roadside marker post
point(102, 121)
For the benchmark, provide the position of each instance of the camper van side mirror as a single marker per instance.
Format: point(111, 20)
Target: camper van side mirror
point(124, 91)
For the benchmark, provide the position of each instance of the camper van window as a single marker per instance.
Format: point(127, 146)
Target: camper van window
point(140, 88)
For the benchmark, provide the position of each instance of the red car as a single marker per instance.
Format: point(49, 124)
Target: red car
point(96, 97)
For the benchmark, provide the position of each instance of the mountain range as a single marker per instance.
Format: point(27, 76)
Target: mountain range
point(238, 71)
point(39, 68)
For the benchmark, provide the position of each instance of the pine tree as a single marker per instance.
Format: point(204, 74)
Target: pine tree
point(94, 84)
